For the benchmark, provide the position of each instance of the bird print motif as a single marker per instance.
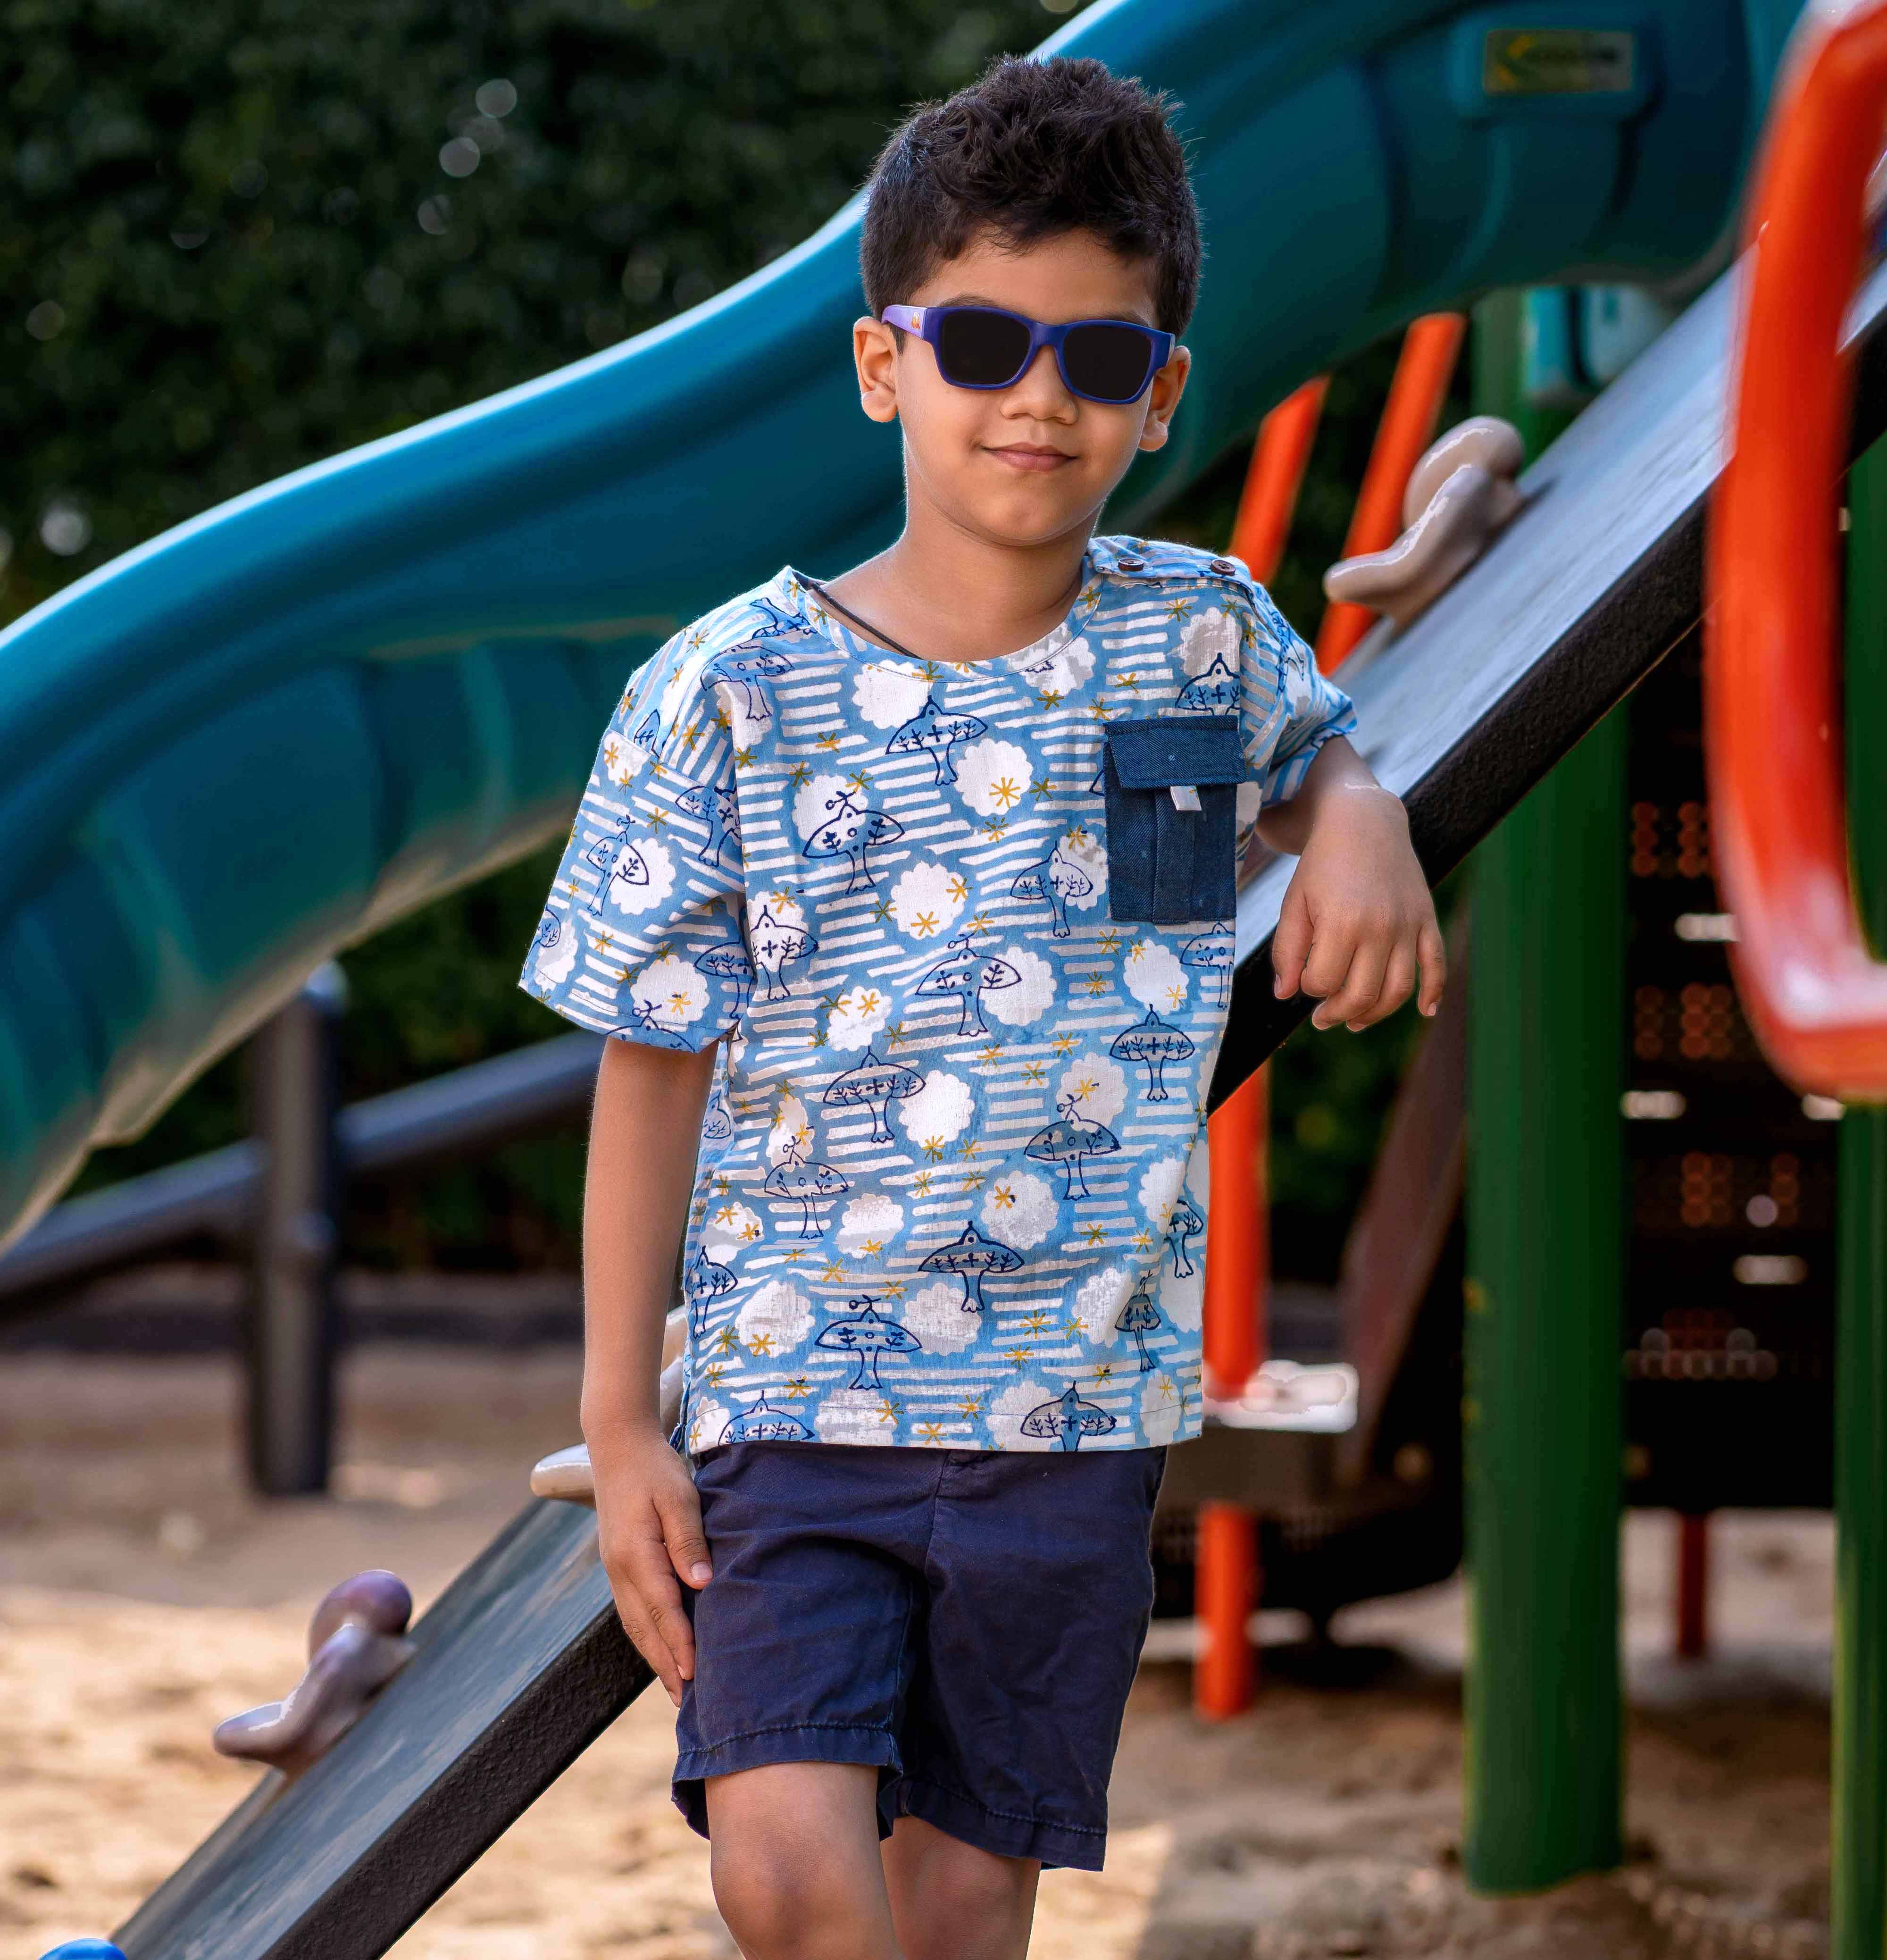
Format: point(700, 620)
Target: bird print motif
point(952, 1184)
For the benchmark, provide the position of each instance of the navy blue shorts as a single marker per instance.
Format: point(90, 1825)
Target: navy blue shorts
point(967, 1621)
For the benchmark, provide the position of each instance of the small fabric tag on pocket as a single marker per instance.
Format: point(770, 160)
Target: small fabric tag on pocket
point(1186, 797)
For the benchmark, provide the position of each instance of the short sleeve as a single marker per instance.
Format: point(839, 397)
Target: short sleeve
point(1288, 709)
point(641, 934)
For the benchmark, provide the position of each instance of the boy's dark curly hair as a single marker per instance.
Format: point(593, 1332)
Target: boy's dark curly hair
point(1032, 150)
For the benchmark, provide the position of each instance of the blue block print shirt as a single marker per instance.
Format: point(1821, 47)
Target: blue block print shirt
point(967, 929)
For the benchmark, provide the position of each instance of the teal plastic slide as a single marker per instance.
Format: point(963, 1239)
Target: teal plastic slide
point(276, 728)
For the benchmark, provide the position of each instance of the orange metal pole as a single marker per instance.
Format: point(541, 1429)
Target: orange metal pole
point(1238, 1241)
point(1430, 349)
point(1238, 1246)
point(1225, 1577)
point(1237, 1237)
point(1279, 460)
point(1225, 1585)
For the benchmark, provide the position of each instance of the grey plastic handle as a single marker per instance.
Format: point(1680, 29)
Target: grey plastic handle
point(355, 1648)
point(1459, 495)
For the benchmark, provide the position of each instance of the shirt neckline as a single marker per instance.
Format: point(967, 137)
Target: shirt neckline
point(793, 586)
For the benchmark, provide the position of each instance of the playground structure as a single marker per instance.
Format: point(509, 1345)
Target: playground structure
point(1583, 593)
point(439, 616)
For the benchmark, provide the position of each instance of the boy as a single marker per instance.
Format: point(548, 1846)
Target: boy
point(939, 857)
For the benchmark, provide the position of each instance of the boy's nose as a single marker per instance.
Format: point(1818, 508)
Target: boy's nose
point(1039, 389)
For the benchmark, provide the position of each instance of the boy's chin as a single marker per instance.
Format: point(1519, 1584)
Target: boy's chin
point(1022, 523)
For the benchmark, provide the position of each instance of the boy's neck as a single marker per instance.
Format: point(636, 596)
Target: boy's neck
point(950, 596)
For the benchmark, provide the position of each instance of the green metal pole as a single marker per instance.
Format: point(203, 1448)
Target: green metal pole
point(1859, 1878)
point(1542, 1413)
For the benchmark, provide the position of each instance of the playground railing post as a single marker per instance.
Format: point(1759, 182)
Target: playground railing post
point(1227, 1582)
point(1542, 1408)
point(1858, 1884)
point(1419, 387)
point(292, 1331)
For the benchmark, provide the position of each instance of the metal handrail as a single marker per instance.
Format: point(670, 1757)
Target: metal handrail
point(1815, 997)
point(468, 1109)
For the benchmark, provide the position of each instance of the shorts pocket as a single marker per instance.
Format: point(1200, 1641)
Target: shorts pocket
point(1170, 856)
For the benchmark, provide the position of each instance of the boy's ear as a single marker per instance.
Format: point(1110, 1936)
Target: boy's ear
point(1163, 397)
point(875, 355)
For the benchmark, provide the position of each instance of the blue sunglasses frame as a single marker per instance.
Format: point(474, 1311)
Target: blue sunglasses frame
point(927, 323)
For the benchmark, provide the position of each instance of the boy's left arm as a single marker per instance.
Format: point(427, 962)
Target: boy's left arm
point(1358, 924)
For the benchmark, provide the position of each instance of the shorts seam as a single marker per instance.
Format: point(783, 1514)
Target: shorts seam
point(907, 1669)
point(793, 1728)
point(930, 1533)
point(1035, 1821)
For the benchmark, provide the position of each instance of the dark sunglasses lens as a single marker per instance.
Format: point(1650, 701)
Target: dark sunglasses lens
point(1112, 363)
point(977, 348)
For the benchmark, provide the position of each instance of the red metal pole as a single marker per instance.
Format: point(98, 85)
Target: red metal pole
point(1279, 460)
point(1237, 1243)
point(1430, 348)
point(1226, 1579)
point(1225, 1575)
point(1814, 995)
point(1237, 1237)
point(1225, 1584)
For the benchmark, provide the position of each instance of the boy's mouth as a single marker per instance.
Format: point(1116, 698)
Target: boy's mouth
point(1031, 455)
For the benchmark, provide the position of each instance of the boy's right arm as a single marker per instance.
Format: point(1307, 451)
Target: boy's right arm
point(648, 1112)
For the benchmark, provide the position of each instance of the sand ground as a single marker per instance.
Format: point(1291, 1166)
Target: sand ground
point(143, 1596)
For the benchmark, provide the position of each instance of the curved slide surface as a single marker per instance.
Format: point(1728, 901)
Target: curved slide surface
point(278, 727)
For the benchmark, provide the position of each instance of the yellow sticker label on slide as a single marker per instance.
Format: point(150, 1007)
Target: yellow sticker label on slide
point(1557, 61)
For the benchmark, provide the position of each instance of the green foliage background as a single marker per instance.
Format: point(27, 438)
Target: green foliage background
point(232, 242)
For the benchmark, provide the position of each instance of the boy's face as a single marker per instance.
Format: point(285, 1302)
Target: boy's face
point(1029, 463)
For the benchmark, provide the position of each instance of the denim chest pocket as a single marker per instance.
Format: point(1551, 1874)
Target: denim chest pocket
point(1171, 784)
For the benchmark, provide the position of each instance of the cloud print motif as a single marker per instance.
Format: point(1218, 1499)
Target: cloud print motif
point(955, 1192)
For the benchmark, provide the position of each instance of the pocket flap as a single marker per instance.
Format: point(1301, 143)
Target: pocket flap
point(1150, 752)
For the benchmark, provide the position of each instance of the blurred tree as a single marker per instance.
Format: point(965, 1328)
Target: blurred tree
point(244, 235)
point(241, 235)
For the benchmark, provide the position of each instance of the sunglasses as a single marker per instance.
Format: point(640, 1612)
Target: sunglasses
point(1110, 360)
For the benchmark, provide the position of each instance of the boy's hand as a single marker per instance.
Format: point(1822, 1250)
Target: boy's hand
point(649, 1530)
point(1358, 921)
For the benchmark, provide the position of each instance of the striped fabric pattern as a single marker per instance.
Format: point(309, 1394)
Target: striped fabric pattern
point(951, 1187)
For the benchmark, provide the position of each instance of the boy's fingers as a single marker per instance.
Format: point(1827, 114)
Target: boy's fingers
point(1290, 943)
point(685, 1551)
point(681, 1532)
point(653, 1582)
point(1432, 950)
point(643, 1637)
point(648, 1601)
point(1356, 1001)
point(1398, 982)
point(1327, 970)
